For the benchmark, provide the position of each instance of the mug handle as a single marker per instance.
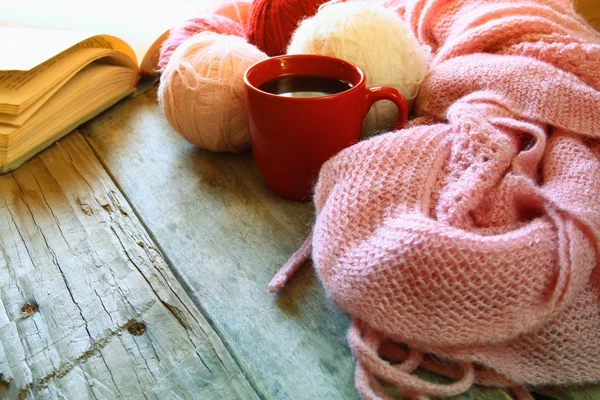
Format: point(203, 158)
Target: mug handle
point(387, 93)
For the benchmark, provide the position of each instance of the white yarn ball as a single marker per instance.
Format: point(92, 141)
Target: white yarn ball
point(202, 91)
point(374, 38)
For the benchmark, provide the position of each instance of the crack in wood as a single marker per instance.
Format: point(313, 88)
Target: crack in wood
point(7, 258)
point(145, 360)
point(12, 217)
point(89, 384)
point(177, 314)
point(111, 195)
point(67, 366)
point(67, 242)
point(64, 151)
point(27, 356)
point(58, 225)
point(104, 307)
point(124, 248)
point(112, 378)
point(172, 309)
point(85, 207)
point(61, 371)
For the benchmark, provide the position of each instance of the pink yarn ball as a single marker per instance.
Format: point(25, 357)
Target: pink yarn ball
point(206, 22)
point(238, 11)
point(202, 91)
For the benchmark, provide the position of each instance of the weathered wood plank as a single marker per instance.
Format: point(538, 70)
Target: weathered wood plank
point(225, 235)
point(584, 392)
point(72, 248)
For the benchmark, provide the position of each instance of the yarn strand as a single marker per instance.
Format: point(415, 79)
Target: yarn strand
point(399, 374)
point(296, 261)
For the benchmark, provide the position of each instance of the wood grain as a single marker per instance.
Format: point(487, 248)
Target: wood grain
point(225, 235)
point(88, 306)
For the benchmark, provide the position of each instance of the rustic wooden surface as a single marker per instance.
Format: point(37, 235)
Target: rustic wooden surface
point(78, 278)
point(126, 222)
point(137, 268)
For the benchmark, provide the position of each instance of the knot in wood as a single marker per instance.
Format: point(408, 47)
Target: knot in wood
point(29, 309)
point(5, 382)
point(136, 328)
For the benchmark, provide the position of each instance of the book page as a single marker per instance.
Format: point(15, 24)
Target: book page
point(139, 23)
point(44, 44)
point(96, 85)
point(19, 119)
point(19, 89)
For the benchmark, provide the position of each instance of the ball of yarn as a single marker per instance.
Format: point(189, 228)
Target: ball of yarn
point(374, 38)
point(202, 90)
point(272, 22)
point(238, 11)
point(205, 22)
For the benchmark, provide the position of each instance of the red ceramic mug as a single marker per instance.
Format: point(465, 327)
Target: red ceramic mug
point(291, 137)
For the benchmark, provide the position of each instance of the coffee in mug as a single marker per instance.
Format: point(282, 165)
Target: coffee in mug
point(305, 86)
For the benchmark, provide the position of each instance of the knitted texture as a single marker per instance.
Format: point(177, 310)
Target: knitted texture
point(272, 22)
point(471, 237)
point(202, 23)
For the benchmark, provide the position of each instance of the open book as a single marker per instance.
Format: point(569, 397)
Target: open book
point(62, 62)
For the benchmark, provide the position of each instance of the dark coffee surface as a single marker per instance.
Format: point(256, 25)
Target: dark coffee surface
point(305, 86)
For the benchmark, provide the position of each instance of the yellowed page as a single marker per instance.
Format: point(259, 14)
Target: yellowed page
point(19, 119)
point(139, 23)
point(76, 98)
point(20, 89)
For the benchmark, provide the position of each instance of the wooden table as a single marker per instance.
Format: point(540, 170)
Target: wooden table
point(134, 265)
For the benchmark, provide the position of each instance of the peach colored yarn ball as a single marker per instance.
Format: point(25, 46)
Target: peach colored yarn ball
point(205, 22)
point(202, 90)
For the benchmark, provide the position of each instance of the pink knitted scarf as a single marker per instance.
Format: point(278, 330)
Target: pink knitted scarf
point(471, 238)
